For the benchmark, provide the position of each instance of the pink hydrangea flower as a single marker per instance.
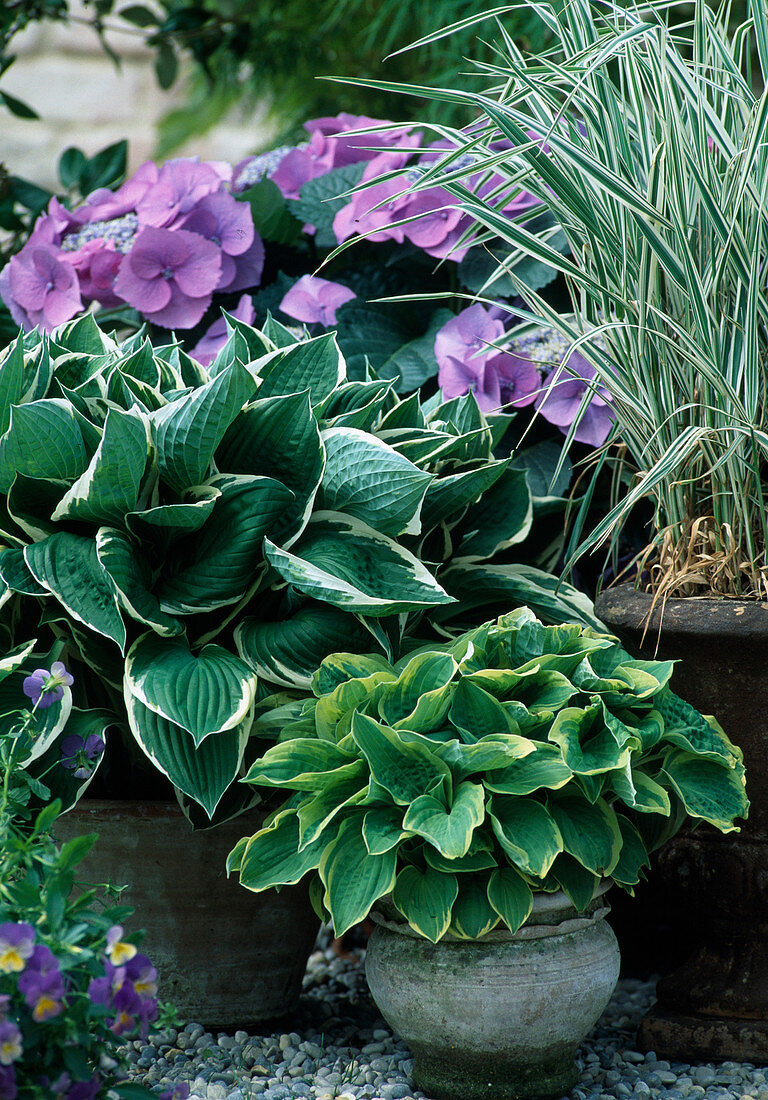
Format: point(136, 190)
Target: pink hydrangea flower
point(228, 224)
point(39, 288)
point(371, 211)
point(97, 264)
point(169, 276)
point(311, 300)
point(180, 185)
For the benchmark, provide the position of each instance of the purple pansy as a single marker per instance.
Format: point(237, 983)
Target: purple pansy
point(40, 289)
point(80, 755)
point(311, 300)
point(143, 974)
point(17, 944)
point(179, 1091)
point(84, 1090)
point(42, 990)
point(170, 275)
point(8, 1089)
point(209, 346)
point(11, 1047)
point(45, 688)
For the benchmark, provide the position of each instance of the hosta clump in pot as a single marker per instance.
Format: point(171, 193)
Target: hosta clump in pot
point(476, 798)
point(185, 530)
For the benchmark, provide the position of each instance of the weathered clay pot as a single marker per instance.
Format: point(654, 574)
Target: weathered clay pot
point(499, 1017)
point(226, 957)
point(714, 1006)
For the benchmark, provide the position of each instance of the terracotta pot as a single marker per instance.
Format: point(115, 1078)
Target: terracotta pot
point(501, 1016)
point(715, 1006)
point(226, 957)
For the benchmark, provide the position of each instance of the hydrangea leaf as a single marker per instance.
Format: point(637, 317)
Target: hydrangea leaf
point(425, 899)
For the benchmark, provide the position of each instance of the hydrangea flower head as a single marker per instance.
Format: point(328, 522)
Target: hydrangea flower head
point(17, 943)
point(169, 276)
point(46, 687)
point(181, 184)
point(311, 300)
point(40, 289)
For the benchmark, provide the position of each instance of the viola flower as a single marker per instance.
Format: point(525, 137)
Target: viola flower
point(42, 990)
point(140, 971)
point(84, 1090)
point(127, 1005)
point(8, 1089)
point(169, 276)
point(39, 289)
point(315, 300)
point(45, 688)
point(119, 951)
point(11, 1048)
point(17, 941)
point(80, 755)
point(209, 345)
point(180, 1091)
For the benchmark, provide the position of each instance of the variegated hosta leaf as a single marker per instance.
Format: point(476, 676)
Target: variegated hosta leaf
point(44, 440)
point(15, 659)
point(383, 828)
point(203, 694)
point(62, 782)
point(366, 478)
point(587, 744)
point(317, 813)
point(316, 365)
point(447, 496)
point(174, 520)
point(337, 668)
point(449, 830)
point(120, 558)
point(590, 832)
point(68, 566)
point(406, 769)
point(20, 379)
point(15, 573)
point(31, 502)
point(527, 832)
point(495, 751)
point(272, 858)
point(420, 697)
point(425, 899)
point(288, 652)
point(301, 764)
point(685, 728)
point(188, 430)
point(216, 566)
point(511, 896)
point(472, 914)
point(633, 858)
point(575, 880)
point(203, 770)
point(543, 768)
point(502, 518)
point(353, 878)
point(110, 486)
point(707, 790)
point(477, 714)
point(341, 561)
point(279, 438)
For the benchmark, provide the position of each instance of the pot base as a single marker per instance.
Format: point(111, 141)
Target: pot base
point(692, 1038)
point(468, 1078)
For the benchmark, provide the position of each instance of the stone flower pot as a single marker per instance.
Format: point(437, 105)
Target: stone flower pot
point(225, 957)
point(498, 1017)
point(715, 1005)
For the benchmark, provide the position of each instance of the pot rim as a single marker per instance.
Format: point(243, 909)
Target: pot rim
point(624, 607)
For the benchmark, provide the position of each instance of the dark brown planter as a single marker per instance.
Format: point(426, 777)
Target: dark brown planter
point(226, 957)
point(715, 1006)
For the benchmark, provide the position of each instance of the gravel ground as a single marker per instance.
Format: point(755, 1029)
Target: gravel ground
point(341, 1049)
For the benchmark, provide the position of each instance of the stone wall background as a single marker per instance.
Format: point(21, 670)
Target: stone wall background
point(84, 100)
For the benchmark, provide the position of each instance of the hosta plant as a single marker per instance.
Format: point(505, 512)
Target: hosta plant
point(193, 534)
point(457, 781)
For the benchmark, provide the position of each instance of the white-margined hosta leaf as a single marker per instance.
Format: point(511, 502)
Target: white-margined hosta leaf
point(121, 560)
point(316, 365)
point(353, 878)
point(31, 502)
point(216, 565)
point(110, 486)
point(15, 573)
point(501, 519)
point(342, 561)
point(68, 567)
point(425, 899)
point(43, 440)
point(421, 695)
point(174, 520)
point(448, 495)
point(203, 693)
point(364, 477)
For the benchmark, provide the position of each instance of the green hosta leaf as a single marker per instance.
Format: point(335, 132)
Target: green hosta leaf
point(639, 791)
point(203, 694)
point(708, 790)
point(477, 714)
point(84, 335)
point(425, 900)
point(510, 896)
point(119, 558)
point(447, 496)
point(16, 385)
point(480, 857)
point(279, 438)
point(338, 792)
point(31, 502)
point(472, 914)
point(501, 519)
point(316, 365)
point(68, 566)
point(342, 561)
point(43, 440)
point(383, 828)
point(371, 333)
point(449, 830)
point(496, 751)
point(110, 486)
point(527, 833)
point(540, 463)
point(364, 477)
point(689, 730)
point(577, 882)
point(633, 858)
point(173, 520)
point(587, 745)
point(188, 430)
point(543, 768)
point(301, 764)
point(216, 565)
point(354, 879)
point(272, 858)
point(15, 573)
point(590, 832)
point(202, 771)
point(288, 652)
point(421, 695)
point(356, 405)
point(338, 668)
point(405, 769)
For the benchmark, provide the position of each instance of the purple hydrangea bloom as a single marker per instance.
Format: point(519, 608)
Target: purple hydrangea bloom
point(11, 1047)
point(97, 263)
point(371, 211)
point(248, 267)
point(228, 224)
point(209, 346)
point(17, 941)
point(8, 1089)
point(519, 380)
point(80, 755)
point(40, 289)
point(315, 300)
point(169, 276)
point(45, 688)
point(563, 392)
point(302, 163)
point(102, 205)
point(463, 347)
point(180, 185)
point(347, 147)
